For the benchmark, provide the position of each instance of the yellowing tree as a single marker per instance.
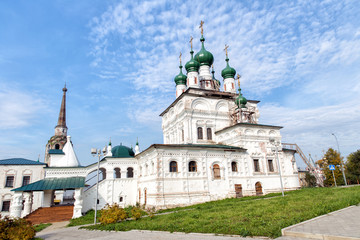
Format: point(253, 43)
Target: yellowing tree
point(331, 157)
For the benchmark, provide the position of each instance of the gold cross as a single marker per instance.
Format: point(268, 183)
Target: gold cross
point(180, 57)
point(191, 38)
point(238, 78)
point(225, 49)
point(201, 26)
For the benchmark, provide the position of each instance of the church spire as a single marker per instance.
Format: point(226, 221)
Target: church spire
point(61, 128)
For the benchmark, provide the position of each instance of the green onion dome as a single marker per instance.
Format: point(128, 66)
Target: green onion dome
point(228, 72)
point(122, 152)
point(240, 101)
point(192, 65)
point(204, 57)
point(180, 78)
point(213, 77)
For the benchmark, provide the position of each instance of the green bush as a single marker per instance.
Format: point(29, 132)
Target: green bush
point(16, 229)
point(112, 214)
point(136, 213)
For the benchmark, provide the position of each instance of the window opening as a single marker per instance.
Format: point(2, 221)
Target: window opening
point(216, 170)
point(256, 165)
point(234, 167)
point(209, 134)
point(9, 181)
point(200, 133)
point(130, 173)
point(173, 166)
point(192, 166)
point(271, 165)
point(26, 180)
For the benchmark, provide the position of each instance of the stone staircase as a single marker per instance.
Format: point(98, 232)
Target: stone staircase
point(51, 214)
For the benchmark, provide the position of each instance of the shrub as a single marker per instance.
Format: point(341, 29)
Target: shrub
point(112, 214)
point(136, 213)
point(151, 212)
point(16, 229)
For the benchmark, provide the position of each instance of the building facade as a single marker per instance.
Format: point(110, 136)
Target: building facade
point(214, 148)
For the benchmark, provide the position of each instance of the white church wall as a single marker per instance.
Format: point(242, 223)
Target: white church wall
point(36, 172)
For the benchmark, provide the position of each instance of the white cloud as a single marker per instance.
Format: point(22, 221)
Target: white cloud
point(18, 108)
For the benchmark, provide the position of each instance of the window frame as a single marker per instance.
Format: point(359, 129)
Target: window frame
point(7, 185)
point(216, 169)
point(173, 168)
point(234, 169)
point(117, 171)
point(128, 172)
point(256, 166)
point(271, 169)
point(209, 136)
point(24, 179)
point(8, 202)
point(200, 135)
point(192, 168)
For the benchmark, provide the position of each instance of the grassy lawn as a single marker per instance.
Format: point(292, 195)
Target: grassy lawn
point(263, 217)
point(41, 226)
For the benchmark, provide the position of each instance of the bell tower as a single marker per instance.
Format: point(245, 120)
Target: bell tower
point(58, 141)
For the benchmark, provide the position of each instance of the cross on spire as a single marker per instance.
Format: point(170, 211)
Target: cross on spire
point(201, 27)
point(191, 39)
point(180, 57)
point(238, 78)
point(226, 50)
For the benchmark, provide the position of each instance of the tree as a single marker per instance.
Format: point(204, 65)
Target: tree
point(310, 180)
point(353, 167)
point(331, 157)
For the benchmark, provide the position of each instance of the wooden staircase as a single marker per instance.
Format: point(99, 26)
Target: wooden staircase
point(51, 214)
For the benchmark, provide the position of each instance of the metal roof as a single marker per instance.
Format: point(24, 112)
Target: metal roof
point(53, 184)
point(20, 161)
point(56, 151)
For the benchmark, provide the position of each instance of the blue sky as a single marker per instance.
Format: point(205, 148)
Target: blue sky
point(299, 58)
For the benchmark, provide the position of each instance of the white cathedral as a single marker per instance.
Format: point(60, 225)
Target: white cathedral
point(214, 148)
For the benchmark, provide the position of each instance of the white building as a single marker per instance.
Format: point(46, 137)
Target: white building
point(214, 148)
point(15, 173)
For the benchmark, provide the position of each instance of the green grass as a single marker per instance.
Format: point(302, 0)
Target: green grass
point(41, 226)
point(247, 216)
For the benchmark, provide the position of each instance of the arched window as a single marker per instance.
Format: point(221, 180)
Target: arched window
point(200, 133)
point(192, 166)
point(216, 170)
point(234, 166)
point(121, 199)
point(209, 134)
point(57, 146)
point(130, 173)
point(117, 173)
point(103, 173)
point(258, 189)
point(173, 166)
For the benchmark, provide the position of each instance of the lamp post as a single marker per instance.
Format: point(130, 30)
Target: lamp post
point(97, 152)
point(341, 165)
point(276, 144)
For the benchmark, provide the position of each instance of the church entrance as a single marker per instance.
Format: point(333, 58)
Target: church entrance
point(258, 189)
point(238, 190)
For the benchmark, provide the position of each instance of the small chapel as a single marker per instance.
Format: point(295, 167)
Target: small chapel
point(214, 147)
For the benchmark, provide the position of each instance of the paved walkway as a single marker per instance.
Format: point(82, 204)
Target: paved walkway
point(339, 225)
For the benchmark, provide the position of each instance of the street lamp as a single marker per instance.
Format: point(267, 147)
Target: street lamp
point(275, 145)
point(97, 152)
point(342, 168)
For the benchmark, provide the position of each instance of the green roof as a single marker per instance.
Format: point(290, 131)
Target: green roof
point(122, 152)
point(20, 161)
point(56, 151)
point(53, 184)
